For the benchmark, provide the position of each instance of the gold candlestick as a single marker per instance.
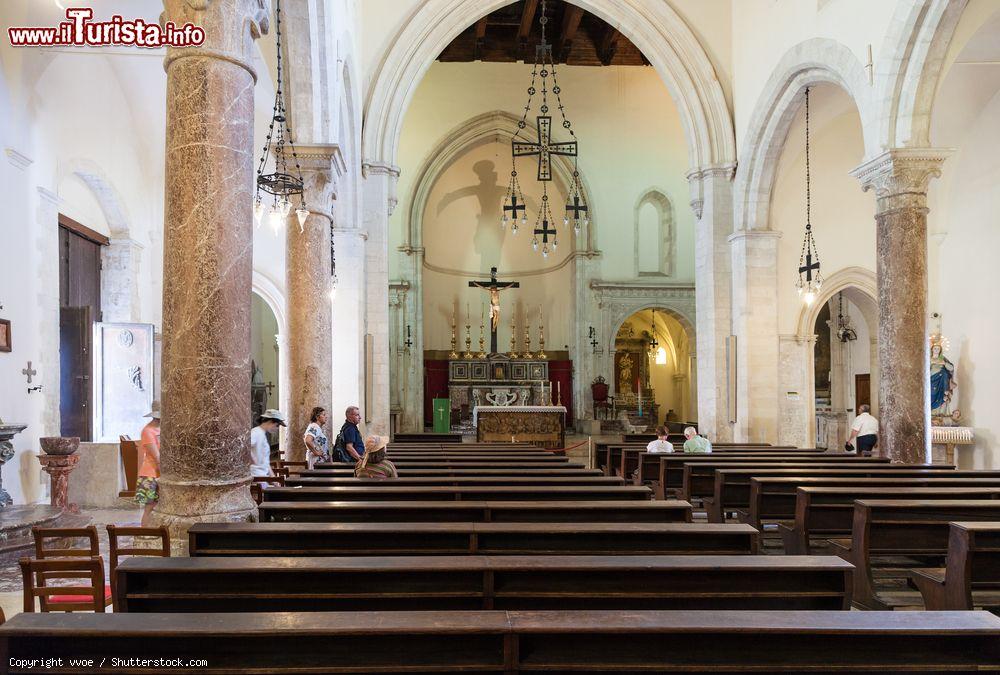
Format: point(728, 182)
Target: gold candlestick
point(513, 341)
point(541, 342)
point(527, 343)
point(468, 342)
point(482, 342)
point(454, 340)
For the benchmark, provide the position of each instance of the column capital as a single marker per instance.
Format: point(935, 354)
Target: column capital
point(753, 234)
point(697, 177)
point(230, 26)
point(901, 171)
point(322, 167)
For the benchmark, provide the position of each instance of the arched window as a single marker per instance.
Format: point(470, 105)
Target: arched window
point(654, 235)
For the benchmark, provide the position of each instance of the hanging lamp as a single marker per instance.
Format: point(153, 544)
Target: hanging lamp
point(810, 278)
point(845, 332)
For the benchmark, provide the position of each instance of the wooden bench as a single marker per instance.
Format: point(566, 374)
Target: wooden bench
point(458, 464)
point(498, 641)
point(774, 498)
point(483, 582)
point(673, 511)
point(447, 492)
point(429, 438)
point(670, 467)
point(541, 481)
point(905, 527)
point(828, 512)
point(644, 467)
point(483, 473)
point(729, 487)
point(609, 455)
point(972, 564)
point(315, 539)
point(470, 458)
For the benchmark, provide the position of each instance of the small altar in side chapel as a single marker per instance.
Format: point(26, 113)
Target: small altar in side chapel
point(510, 395)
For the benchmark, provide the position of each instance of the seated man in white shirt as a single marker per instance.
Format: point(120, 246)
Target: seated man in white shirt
point(864, 431)
point(661, 444)
point(260, 447)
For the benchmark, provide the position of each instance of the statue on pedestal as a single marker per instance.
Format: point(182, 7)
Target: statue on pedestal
point(943, 384)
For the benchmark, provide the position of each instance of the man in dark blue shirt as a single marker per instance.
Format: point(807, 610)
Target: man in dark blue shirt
point(353, 442)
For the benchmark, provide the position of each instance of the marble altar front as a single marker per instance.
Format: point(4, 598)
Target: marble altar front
point(541, 425)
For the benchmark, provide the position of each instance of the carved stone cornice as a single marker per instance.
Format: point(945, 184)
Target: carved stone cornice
point(18, 159)
point(902, 172)
point(320, 164)
point(696, 183)
point(229, 34)
point(753, 234)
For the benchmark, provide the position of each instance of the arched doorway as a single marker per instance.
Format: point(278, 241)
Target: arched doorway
point(653, 379)
point(264, 350)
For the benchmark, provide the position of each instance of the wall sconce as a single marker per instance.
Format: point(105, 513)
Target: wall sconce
point(409, 342)
point(594, 342)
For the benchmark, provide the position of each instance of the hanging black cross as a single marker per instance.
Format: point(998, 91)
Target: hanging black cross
point(493, 287)
point(513, 207)
point(809, 267)
point(576, 207)
point(545, 232)
point(544, 148)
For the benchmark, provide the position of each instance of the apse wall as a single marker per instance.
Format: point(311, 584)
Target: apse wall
point(631, 140)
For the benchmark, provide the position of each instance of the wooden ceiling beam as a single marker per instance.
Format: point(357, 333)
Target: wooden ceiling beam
point(480, 39)
point(609, 45)
point(570, 25)
point(524, 30)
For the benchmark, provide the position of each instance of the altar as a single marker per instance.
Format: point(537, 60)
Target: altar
point(541, 425)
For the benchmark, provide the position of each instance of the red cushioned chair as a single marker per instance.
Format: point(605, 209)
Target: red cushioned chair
point(63, 543)
point(602, 401)
point(42, 577)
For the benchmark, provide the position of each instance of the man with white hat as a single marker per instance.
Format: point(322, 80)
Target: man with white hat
point(260, 447)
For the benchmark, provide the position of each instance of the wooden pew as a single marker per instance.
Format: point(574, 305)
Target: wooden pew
point(673, 511)
point(514, 471)
point(828, 512)
point(645, 466)
point(458, 464)
point(905, 527)
point(609, 455)
point(428, 438)
point(670, 467)
point(318, 539)
point(724, 488)
point(774, 498)
point(972, 564)
point(482, 582)
point(498, 641)
point(479, 458)
point(446, 492)
point(542, 481)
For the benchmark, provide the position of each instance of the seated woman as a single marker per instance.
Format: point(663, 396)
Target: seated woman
point(373, 463)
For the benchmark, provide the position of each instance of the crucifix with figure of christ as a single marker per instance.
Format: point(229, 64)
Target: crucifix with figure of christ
point(494, 287)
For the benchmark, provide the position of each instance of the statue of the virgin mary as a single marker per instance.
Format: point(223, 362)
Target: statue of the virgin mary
point(942, 380)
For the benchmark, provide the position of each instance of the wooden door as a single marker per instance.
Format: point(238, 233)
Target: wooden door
point(75, 365)
point(862, 391)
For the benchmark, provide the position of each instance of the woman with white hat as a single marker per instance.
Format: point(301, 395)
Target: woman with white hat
point(373, 464)
point(147, 491)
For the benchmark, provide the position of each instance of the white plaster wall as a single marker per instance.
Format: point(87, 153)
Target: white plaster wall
point(630, 141)
point(765, 29)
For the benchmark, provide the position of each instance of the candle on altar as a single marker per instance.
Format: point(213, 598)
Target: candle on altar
point(559, 391)
point(639, 391)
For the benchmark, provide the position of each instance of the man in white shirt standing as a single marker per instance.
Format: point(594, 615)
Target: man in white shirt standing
point(661, 444)
point(260, 447)
point(864, 431)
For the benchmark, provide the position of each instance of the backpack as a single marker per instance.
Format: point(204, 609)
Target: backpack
point(340, 448)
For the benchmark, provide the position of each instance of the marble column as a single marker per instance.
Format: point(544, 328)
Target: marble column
point(378, 204)
point(308, 278)
point(899, 179)
point(207, 266)
point(712, 201)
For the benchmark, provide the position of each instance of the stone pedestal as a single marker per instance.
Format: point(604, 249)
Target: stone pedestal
point(307, 283)
point(7, 432)
point(59, 467)
point(207, 266)
point(899, 178)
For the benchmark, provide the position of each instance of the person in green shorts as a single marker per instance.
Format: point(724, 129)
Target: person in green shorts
point(694, 442)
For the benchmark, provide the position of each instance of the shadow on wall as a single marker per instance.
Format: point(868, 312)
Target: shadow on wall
point(489, 237)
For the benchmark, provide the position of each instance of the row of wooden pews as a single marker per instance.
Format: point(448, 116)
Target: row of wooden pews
point(505, 559)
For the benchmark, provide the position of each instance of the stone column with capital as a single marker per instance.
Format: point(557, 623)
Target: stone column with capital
point(207, 265)
point(712, 201)
point(899, 179)
point(308, 278)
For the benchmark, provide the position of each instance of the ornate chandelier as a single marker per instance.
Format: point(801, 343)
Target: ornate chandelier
point(283, 186)
point(514, 207)
point(809, 284)
point(653, 342)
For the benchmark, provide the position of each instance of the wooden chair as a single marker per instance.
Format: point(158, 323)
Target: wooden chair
point(57, 543)
point(38, 577)
point(130, 455)
point(115, 535)
point(599, 391)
